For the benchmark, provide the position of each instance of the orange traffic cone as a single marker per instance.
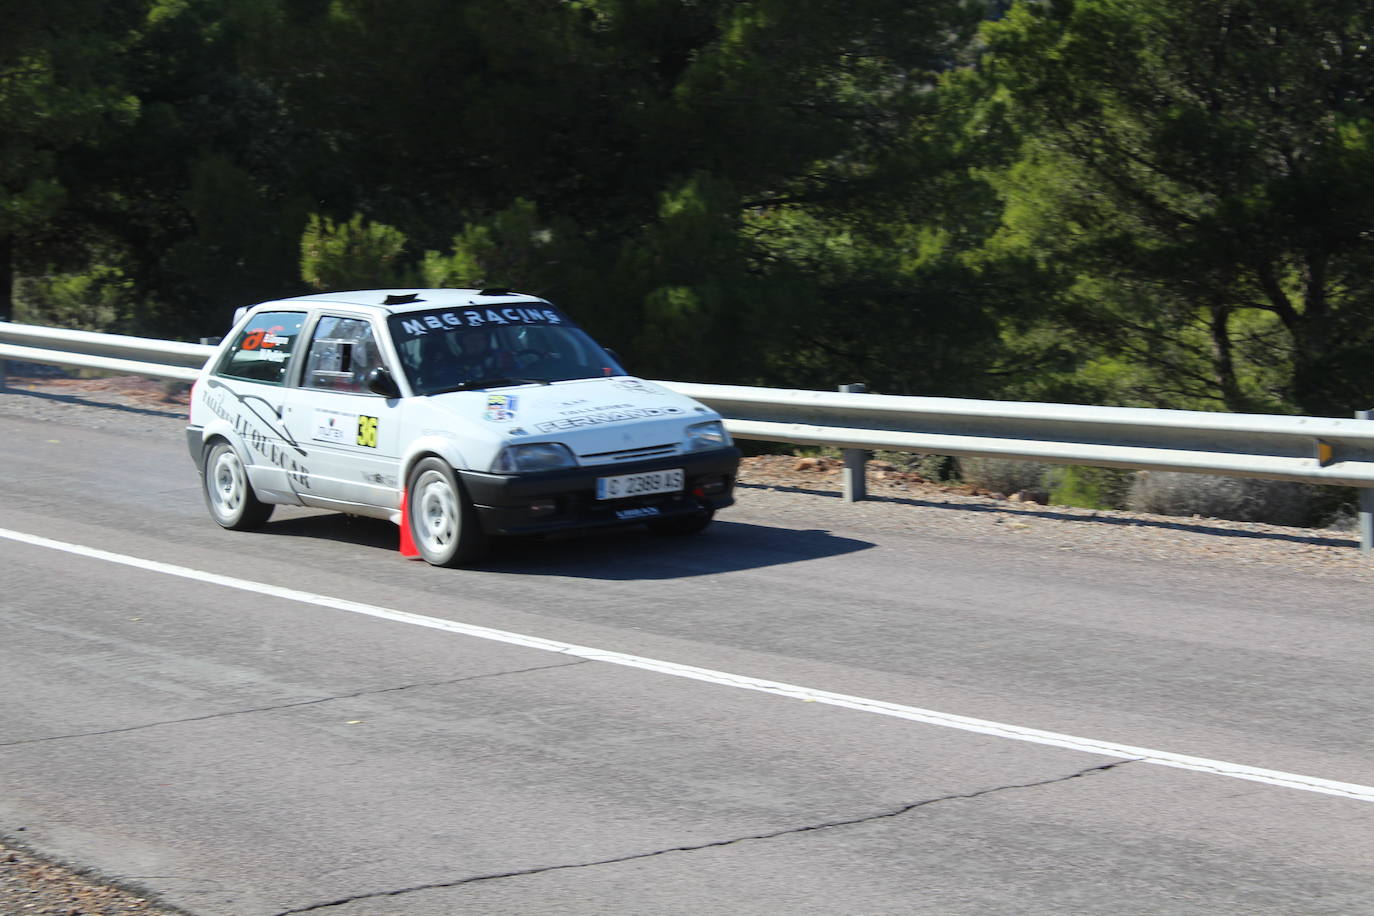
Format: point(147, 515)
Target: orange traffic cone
point(408, 548)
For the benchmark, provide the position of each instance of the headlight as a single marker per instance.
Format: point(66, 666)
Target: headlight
point(708, 435)
point(529, 457)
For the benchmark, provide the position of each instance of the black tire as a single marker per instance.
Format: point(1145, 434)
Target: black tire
point(679, 525)
point(228, 493)
point(442, 522)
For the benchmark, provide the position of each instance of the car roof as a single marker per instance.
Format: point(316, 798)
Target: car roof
point(401, 301)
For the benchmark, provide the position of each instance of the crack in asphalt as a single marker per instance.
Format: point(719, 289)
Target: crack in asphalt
point(826, 825)
point(315, 702)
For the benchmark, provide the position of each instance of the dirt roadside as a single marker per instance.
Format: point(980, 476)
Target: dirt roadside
point(33, 885)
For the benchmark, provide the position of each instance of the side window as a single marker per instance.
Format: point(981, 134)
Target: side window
point(342, 353)
point(263, 350)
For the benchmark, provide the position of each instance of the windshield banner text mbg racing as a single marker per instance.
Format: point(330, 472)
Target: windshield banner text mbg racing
point(419, 324)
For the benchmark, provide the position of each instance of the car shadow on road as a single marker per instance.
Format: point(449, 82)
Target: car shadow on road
point(618, 554)
point(1198, 526)
point(632, 554)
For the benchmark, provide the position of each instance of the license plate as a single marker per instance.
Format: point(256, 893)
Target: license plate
point(639, 484)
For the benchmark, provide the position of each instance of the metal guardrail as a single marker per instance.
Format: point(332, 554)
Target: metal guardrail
point(1318, 450)
point(1308, 449)
point(85, 361)
point(169, 359)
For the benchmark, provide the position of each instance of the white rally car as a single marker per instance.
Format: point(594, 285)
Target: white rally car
point(456, 413)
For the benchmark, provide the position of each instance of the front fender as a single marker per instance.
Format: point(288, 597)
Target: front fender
point(444, 446)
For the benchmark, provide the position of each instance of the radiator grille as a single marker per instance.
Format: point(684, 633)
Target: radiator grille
point(632, 454)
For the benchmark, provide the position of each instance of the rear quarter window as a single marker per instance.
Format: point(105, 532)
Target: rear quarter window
point(262, 352)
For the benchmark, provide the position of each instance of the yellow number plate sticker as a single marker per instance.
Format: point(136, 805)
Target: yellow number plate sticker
point(367, 431)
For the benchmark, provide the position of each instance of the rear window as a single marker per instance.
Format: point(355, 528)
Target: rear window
point(262, 352)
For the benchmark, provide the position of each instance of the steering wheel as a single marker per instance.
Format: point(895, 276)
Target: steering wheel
point(529, 356)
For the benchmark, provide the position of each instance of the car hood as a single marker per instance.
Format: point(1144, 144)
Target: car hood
point(590, 416)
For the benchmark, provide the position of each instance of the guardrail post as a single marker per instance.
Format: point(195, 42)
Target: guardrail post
point(855, 462)
point(1366, 502)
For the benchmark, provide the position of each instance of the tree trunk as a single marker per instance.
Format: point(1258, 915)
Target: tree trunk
point(1223, 359)
point(1317, 386)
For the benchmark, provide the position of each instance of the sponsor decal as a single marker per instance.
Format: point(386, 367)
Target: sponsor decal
point(641, 512)
point(501, 407)
point(576, 411)
point(412, 326)
point(608, 416)
point(331, 426)
point(639, 387)
point(264, 338)
point(339, 428)
point(258, 422)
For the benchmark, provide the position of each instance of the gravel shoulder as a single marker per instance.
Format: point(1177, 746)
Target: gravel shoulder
point(787, 490)
point(808, 493)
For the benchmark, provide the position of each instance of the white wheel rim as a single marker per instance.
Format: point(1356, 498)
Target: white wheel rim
point(435, 513)
point(227, 484)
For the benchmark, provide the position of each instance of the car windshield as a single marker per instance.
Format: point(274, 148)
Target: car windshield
point(479, 347)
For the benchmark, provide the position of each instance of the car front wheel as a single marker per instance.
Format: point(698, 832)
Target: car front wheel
point(228, 493)
point(442, 522)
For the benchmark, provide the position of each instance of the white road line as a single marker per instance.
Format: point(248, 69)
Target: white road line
point(725, 679)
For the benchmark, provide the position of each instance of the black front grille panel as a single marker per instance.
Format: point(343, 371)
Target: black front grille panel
point(633, 454)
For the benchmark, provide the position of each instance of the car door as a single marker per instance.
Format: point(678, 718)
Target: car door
point(352, 433)
point(248, 391)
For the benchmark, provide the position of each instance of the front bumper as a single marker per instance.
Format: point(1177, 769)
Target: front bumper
point(566, 500)
point(195, 444)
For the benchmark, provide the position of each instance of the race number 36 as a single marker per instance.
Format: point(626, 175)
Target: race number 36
point(367, 431)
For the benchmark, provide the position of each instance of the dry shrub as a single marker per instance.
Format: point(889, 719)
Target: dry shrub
point(1002, 475)
point(1240, 499)
point(929, 467)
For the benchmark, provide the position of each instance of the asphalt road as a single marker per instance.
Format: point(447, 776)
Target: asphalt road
point(348, 748)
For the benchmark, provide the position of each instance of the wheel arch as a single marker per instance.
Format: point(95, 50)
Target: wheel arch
point(430, 447)
point(221, 431)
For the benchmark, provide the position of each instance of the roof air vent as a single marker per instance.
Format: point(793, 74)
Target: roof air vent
point(494, 291)
point(402, 299)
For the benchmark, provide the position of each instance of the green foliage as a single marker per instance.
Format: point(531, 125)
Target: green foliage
point(1089, 487)
point(650, 138)
point(1186, 165)
point(61, 89)
point(55, 94)
point(514, 248)
point(352, 255)
point(1142, 202)
point(99, 300)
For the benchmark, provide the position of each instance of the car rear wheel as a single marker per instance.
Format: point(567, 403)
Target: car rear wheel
point(682, 524)
point(228, 493)
point(442, 522)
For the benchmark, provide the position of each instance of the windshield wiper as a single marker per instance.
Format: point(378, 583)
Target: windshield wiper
point(489, 383)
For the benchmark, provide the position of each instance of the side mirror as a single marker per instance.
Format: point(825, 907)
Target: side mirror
point(379, 381)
